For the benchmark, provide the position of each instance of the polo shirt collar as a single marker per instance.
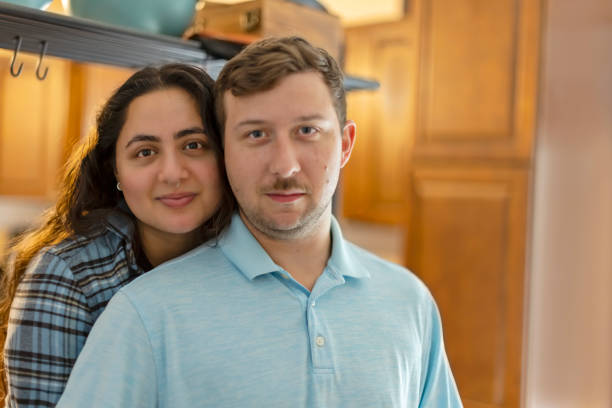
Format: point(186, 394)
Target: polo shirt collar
point(243, 250)
point(340, 261)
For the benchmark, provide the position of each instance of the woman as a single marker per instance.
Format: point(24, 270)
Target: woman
point(148, 186)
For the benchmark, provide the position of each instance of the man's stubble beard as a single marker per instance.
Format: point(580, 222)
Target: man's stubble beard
point(303, 227)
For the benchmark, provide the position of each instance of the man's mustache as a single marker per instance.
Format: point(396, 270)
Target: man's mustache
point(283, 184)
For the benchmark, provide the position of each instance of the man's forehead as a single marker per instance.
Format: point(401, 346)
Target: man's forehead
point(305, 79)
point(297, 95)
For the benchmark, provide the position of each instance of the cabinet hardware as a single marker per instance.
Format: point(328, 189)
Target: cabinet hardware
point(16, 51)
point(43, 51)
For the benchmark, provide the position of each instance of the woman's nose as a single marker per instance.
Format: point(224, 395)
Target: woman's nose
point(173, 169)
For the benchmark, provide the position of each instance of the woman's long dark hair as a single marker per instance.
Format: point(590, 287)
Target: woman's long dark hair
point(88, 187)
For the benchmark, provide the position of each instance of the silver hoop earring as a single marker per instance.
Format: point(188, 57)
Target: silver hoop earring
point(119, 186)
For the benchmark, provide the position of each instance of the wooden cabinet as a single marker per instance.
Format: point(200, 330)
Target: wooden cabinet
point(477, 85)
point(445, 148)
point(466, 241)
point(90, 86)
point(374, 184)
point(41, 120)
point(32, 126)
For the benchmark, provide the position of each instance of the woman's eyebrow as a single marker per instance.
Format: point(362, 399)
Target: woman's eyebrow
point(178, 135)
point(189, 131)
point(142, 138)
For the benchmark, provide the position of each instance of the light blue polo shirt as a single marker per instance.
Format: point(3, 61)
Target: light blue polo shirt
point(224, 326)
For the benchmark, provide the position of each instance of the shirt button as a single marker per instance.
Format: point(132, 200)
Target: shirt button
point(320, 341)
point(313, 304)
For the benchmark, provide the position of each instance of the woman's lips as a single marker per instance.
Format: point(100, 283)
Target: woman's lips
point(177, 200)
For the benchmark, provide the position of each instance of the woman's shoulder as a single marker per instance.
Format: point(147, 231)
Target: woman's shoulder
point(96, 265)
point(97, 256)
point(79, 247)
point(113, 233)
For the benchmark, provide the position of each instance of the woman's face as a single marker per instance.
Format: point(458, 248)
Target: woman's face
point(165, 166)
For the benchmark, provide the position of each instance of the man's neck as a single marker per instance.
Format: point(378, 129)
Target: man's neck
point(305, 257)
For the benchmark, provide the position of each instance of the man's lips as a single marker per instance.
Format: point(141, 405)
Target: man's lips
point(285, 197)
point(177, 200)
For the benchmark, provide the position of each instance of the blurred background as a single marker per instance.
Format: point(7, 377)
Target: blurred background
point(483, 163)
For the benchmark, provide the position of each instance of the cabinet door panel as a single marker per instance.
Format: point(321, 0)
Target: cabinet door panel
point(32, 126)
point(478, 79)
point(466, 241)
point(374, 182)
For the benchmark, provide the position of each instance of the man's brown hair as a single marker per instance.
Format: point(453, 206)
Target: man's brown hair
point(262, 64)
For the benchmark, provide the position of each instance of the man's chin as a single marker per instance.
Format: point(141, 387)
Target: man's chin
point(281, 221)
point(275, 227)
point(282, 226)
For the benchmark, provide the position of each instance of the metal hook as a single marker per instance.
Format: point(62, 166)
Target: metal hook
point(43, 51)
point(17, 48)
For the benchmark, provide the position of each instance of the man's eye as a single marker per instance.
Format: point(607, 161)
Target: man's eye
point(145, 153)
point(307, 130)
point(256, 134)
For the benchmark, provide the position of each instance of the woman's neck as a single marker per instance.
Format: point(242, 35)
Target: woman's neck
point(159, 246)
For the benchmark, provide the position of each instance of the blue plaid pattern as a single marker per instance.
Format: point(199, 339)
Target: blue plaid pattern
point(64, 290)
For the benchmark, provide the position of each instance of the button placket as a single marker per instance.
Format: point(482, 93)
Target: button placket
point(319, 338)
point(319, 335)
point(320, 341)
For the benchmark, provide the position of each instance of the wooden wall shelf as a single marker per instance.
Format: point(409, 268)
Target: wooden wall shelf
point(85, 40)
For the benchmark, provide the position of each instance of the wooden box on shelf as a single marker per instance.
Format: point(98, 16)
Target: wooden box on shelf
point(264, 18)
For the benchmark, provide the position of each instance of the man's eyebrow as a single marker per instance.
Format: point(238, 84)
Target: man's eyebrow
point(305, 118)
point(314, 116)
point(249, 122)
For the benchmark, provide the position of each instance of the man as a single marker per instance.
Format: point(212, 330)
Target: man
point(282, 312)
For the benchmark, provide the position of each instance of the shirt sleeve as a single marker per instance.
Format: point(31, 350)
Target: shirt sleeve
point(48, 323)
point(439, 389)
point(116, 367)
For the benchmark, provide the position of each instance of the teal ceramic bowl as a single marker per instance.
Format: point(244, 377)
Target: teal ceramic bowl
point(170, 17)
point(39, 4)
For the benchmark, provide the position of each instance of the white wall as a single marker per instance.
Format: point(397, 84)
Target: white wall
point(569, 344)
point(355, 12)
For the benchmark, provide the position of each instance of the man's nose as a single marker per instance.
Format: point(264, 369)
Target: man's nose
point(284, 162)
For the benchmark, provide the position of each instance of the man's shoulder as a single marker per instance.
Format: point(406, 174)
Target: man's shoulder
point(178, 273)
point(386, 273)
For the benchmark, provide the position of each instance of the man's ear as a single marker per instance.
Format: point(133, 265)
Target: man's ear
point(348, 141)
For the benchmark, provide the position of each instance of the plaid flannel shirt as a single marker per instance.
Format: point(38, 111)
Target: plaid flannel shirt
point(64, 290)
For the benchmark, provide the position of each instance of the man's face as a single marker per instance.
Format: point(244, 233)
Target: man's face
point(283, 151)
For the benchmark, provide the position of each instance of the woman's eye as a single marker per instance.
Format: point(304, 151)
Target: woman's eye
point(194, 145)
point(145, 153)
